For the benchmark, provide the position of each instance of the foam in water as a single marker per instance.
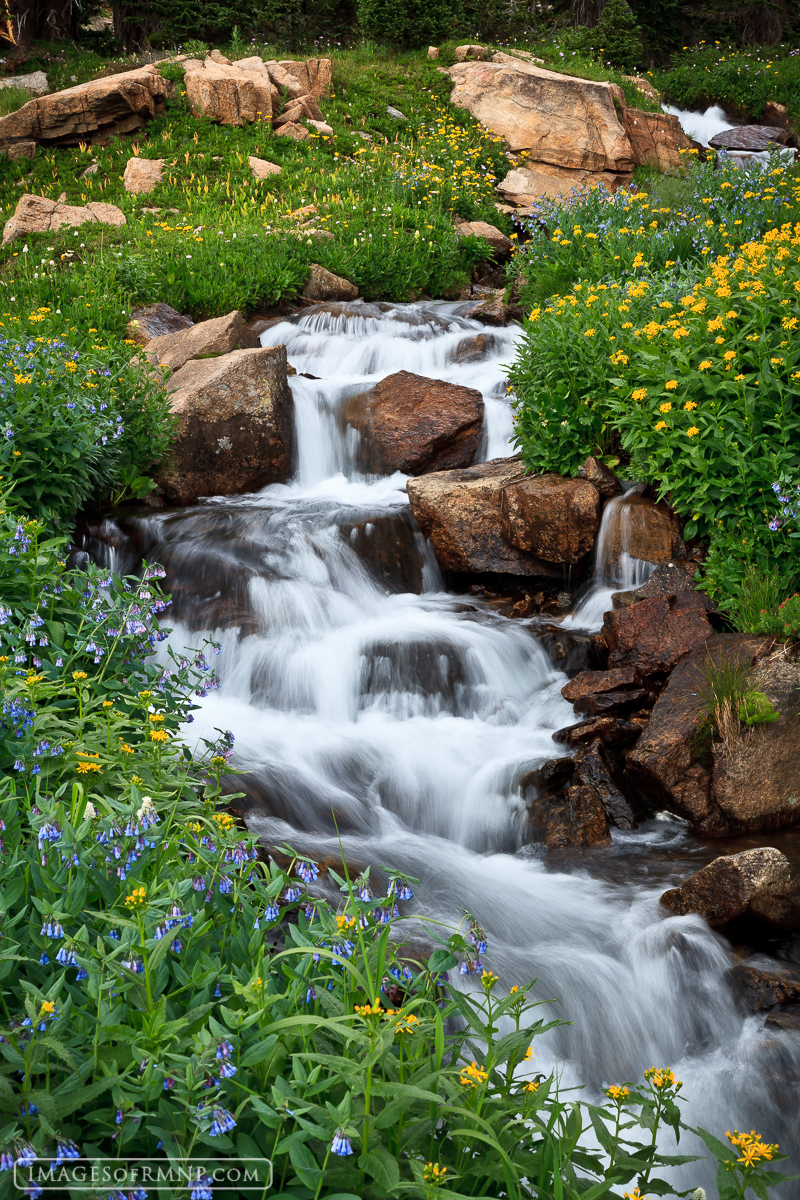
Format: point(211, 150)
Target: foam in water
point(701, 126)
point(359, 690)
point(611, 573)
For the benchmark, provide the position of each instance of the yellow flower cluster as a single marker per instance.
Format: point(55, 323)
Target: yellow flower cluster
point(137, 898)
point(473, 1075)
point(753, 1150)
point(661, 1078)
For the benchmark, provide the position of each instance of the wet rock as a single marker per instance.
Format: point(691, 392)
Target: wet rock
point(751, 137)
point(787, 1019)
point(155, 320)
point(756, 781)
point(218, 336)
point(227, 94)
point(671, 762)
point(37, 214)
point(758, 884)
point(235, 425)
point(388, 545)
point(324, 285)
point(596, 692)
point(611, 731)
point(476, 348)
point(461, 513)
point(766, 985)
point(654, 635)
point(412, 424)
point(142, 175)
point(592, 772)
point(646, 530)
point(574, 818)
point(604, 480)
point(492, 309)
point(89, 112)
point(570, 649)
point(668, 580)
point(261, 168)
point(499, 244)
point(556, 519)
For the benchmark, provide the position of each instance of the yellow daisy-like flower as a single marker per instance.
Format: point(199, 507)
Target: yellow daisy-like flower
point(639, 394)
point(155, 717)
point(661, 425)
point(589, 332)
point(665, 408)
point(689, 405)
point(776, 362)
point(159, 735)
point(729, 355)
point(671, 385)
point(617, 1093)
point(79, 675)
point(472, 1075)
point(529, 1054)
point(83, 768)
point(137, 898)
point(705, 364)
point(532, 1086)
point(692, 431)
point(108, 704)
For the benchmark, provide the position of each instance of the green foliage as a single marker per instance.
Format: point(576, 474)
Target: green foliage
point(406, 22)
point(753, 603)
point(615, 39)
point(77, 425)
point(742, 81)
point(12, 98)
point(757, 709)
point(689, 374)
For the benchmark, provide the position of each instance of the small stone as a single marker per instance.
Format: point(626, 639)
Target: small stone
point(324, 285)
point(298, 133)
point(603, 479)
point(92, 169)
point(262, 169)
point(18, 150)
point(433, 51)
point(395, 113)
point(142, 175)
point(321, 127)
point(471, 51)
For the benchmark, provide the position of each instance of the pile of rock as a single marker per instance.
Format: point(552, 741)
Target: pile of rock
point(250, 89)
point(563, 132)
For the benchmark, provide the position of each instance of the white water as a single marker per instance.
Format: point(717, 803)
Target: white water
point(411, 715)
point(701, 126)
point(609, 573)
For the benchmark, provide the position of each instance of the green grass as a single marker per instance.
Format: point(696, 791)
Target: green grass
point(12, 98)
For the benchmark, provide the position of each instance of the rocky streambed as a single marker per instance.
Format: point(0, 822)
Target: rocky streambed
point(486, 680)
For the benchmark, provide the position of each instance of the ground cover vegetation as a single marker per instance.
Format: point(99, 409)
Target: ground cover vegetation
point(164, 987)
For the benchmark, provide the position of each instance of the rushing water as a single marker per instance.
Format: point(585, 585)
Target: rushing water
point(359, 689)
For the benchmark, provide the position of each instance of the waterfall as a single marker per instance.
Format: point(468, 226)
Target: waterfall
point(361, 692)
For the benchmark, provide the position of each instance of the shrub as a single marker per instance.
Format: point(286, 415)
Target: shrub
point(406, 22)
point(616, 38)
point(77, 425)
point(742, 81)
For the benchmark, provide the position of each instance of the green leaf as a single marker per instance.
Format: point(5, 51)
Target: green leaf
point(383, 1168)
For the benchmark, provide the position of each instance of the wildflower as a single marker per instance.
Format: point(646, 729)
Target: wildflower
point(692, 431)
point(201, 1189)
point(408, 1024)
point(639, 394)
point(589, 333)
point(661, 425)
point(137, 898)
point(729, 355)
point(661, 1078)
point(705, 364)
point(433, 1173)
point(472, 1075)
point(222, 1122)
point(617, 1093)
point(79, 675)
point(665, 408)
point(159, 735)
point(341, 1143)
point(738, 378)
point(671, 384)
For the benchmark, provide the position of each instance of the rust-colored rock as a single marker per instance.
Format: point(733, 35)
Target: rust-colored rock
point(757, 883)
point(142, 175)
point(234, 433)
point(593, 772)
point(763, 983)
point(296, 110)
point(37, 214)
point(654, 635)
point(208, 339)
point(611, 731)
point(657, 139)
point(88, 112)
point(645, 530)
point(227, 94)
point(461, 513)
point(756, 782)
point(261, 168)
point(412, 424)
point(670, 762)
point(556, 519)
point(573, 818)
point(604, 480)
point(776, 115)
point(155, 320)
point(598, 692)
point(751, 137)
point(498, 242)
point(324, 285)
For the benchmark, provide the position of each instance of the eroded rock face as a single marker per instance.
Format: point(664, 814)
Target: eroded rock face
point(670, 761)
point(89, 112)
point(556, 519)
point(604, 480)
point(756, 783)
point(155, 320)
point(573, 818)
point(652, 636)
point(762, 983)
point(757, 883)
point(324, 285)
point(498, 242)
point(218, 336)
point(37, 214)
point(315, 75)
point(461, 513)
point(226, 93)
point(412, 424)
point(656, 138)
point(235, 425)
point(594, 693)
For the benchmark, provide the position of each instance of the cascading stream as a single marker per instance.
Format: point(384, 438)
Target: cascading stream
point(359, 690)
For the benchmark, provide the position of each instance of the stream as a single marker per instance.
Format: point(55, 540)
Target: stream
point(357, 685)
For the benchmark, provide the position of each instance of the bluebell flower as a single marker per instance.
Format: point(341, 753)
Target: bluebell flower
point(201, 1190)
point(341, 1144)
point(221, 1122)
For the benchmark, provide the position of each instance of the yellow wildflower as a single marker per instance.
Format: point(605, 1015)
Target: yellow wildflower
point(671, 384)
point(472, 1075)
point(692, 431)
point(137, 898)
point(705, 364)
point(665, 408)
